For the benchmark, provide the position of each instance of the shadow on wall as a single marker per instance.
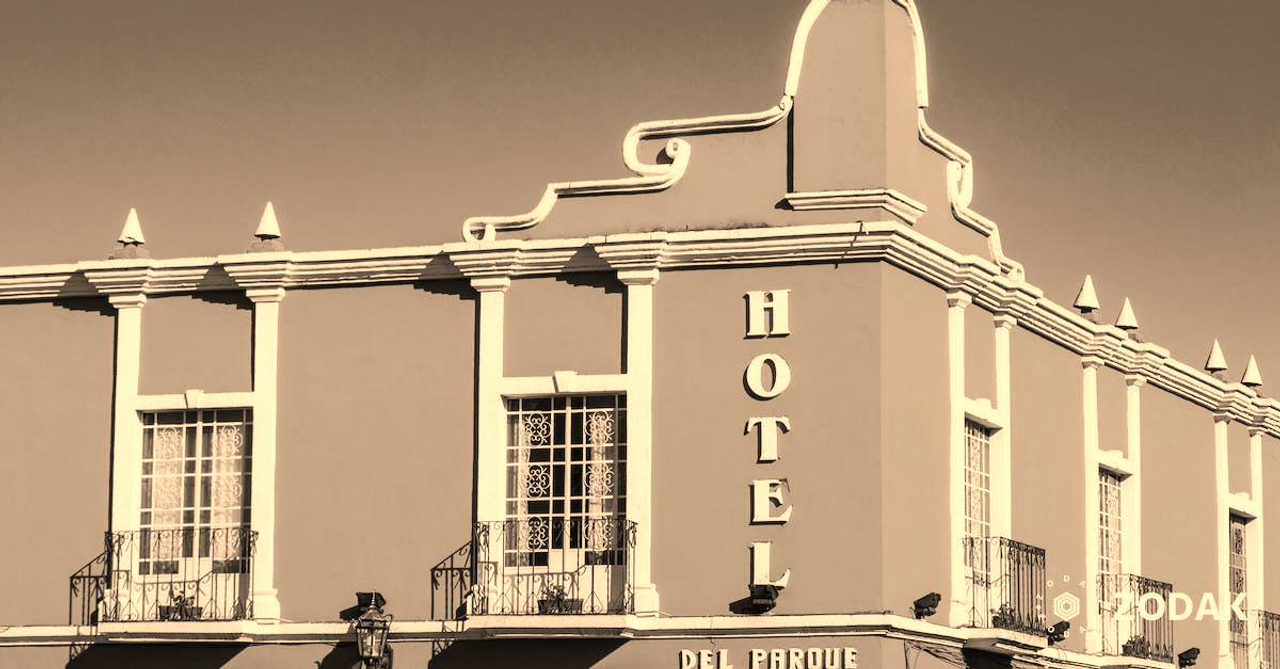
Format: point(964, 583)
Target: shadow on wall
point(527, 654)
point(344, 656)
point(143, 656)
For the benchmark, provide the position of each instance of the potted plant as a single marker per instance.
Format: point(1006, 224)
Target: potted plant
point(555, 599)
point(181, 607)
point(1138, 646)
point(1004, 617)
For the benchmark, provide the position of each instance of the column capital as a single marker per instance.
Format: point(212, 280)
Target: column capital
point(1221, 416)
point(958, 299)
point(119, 277)
point(258, 295)
point(1257, 431)
point(638, 277)
point(1004, 321)
point(1091, 362)
point(1135, 380)
point(257, 271)
point(491, 284)
point(633, 252)
point(127, 300)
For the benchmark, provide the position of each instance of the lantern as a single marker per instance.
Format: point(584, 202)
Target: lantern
point(372, 628)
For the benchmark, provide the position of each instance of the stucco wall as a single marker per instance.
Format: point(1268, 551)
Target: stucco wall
point(1271, 509)
point(1239, 465)
point(915, 414)
point(1179, 532)
point(1113, 411)
point(374, 472)
point(200, 341)
point(703, 460)
point(573, 323)
point(979, 353)
point(55, 404)
point(1048, 461)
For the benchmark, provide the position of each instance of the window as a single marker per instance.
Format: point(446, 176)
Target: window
point(195, 489)
point(977, 496)
point(1110, 556)
point(566, 481)
point(1238, 581)
point(977, 480)
point(1110, 561)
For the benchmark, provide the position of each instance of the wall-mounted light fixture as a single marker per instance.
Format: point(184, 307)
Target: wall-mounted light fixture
point(763, 598)
point(926, 606)
point(1188, 657)
point(372, 628)
point(1057, 633)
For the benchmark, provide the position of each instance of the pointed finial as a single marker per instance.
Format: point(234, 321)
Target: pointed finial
point(268, 232)
point(1087, 299)
point(1252, 377)
point(1217, 363)
point(1127, 320)
point(132, 231)
point(268, 227)
point(131, 239)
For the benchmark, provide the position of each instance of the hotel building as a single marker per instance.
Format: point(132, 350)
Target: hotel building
point(748, 406)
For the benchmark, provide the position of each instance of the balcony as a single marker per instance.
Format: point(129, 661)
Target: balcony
point(1007, 584)
point(1127, 610)
point(1269, 634)
point(539, 566)
point(167, 575)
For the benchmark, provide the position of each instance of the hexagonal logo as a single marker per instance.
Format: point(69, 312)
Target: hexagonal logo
point(1066, 606)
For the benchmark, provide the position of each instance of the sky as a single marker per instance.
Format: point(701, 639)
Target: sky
point(1130, 140)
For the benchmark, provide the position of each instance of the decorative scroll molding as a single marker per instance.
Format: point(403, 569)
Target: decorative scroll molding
point(653, 177)
point(891, 241)
point(899, 204)
point(960, 167)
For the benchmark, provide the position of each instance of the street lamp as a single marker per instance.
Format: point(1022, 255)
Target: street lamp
point(372, 628)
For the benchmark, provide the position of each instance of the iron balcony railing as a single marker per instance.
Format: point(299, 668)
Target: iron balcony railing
point(1007, 584)
point(167, 574)
point(1135, 617)
point(1269, 636)
point(540, 565)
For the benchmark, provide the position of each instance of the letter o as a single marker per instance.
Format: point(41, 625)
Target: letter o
point(1146, 612)
point(755, 376)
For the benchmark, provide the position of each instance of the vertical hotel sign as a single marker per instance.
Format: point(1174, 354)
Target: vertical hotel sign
point(767, 316)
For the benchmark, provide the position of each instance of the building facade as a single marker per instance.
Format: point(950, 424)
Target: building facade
point(747, 407)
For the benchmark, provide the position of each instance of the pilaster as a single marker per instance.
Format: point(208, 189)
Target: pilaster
point(639, 370)
point(961, 598)
point(1222, 486)
point(1132, 491)
point(266, 346)
point(1090, 459)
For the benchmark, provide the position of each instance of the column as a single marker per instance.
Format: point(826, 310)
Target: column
point(1089, 396)
point(961, 598)
point(1131, 500)
point(266, 346)
point(639, 370)
point(126, 437)
point(490, 411)
point(1256, 545)
point(1002, 440)
point(1221, 476)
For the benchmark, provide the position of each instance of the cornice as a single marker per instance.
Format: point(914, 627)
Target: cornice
point(892, 242)
point(1026, 648)
point(899, 204)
